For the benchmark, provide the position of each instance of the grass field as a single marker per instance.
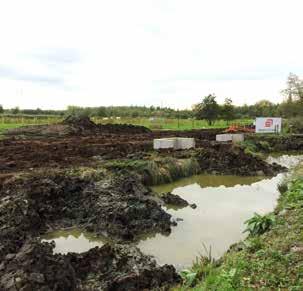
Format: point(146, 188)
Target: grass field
point(156, 123)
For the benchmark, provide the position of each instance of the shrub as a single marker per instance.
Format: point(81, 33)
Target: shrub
point(296, 124)
point(259, 224)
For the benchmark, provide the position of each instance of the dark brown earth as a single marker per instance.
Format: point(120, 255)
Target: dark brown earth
point(42, 188)
point(118, 207)
point(228, 159)
point(76, 142)
point(174, 200)
point(119, 267)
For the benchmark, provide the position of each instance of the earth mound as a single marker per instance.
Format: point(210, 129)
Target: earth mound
point(119, 267)
point(80, 122)
point(120, 207)
point(231, 160)
point(76, 125)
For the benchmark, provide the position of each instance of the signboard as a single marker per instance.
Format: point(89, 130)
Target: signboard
point(268, 124)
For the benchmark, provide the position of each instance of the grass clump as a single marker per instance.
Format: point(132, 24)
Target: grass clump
point(158, 170)
point(259, 224)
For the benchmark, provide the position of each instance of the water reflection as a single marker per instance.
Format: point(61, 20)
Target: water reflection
point(208, 181)
point(73, 240)
point(217, 221)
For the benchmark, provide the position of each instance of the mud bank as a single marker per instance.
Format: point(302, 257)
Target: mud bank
point(276, 143)
point(119, 207)
point(232, 160)
point(119, 267)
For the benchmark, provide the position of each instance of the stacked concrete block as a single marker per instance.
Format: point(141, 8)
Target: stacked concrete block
point(176, 143)
point(164, 143)
point(184, 143)
point(235, 137)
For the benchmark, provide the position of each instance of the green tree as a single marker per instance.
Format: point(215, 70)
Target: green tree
point(208, 109)
point(265, 108)
point(228, 110)
point(294, 90)
point(15, 110)
point(1, 109)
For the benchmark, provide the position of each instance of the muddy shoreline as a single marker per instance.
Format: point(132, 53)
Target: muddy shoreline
point(97, 183)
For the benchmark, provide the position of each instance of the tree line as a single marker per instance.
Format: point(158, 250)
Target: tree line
point(207, 109)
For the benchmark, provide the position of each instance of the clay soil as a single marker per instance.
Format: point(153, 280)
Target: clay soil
point(42, 189)
point(79, 142)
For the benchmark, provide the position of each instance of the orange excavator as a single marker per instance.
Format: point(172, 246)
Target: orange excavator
point(240, 128)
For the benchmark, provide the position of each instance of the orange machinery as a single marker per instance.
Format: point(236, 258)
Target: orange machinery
point(240, 128)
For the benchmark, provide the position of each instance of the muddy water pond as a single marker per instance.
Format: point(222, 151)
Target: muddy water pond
point(223, 204)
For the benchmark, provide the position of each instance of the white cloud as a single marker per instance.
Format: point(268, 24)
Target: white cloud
point(170, 52)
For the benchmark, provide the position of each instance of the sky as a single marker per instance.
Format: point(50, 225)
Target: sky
point(147, 52)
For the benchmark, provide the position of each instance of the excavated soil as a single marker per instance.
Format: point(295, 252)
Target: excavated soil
point(118, 207)
point(227, 159)
point(79, 141)
point(119, 267)
point(41, 190)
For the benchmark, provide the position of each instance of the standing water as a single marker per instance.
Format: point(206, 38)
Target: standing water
point(223, 205)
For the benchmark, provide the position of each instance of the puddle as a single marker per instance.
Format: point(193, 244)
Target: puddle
point(223, 204)
point(73, 240)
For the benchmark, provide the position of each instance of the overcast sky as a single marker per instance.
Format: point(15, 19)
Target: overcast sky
point(147, 52)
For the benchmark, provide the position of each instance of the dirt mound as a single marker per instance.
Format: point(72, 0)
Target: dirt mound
point(123, 129)
point(227, 159)
point(35, 267)
point(119, 207)
point(76, 126)
point(79, 121)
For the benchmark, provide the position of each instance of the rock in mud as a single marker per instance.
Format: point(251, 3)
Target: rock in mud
point(119, 267)
point(174, 200)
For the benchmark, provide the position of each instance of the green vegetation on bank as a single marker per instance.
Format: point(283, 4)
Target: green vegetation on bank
point(159, 170)
point(271, 258)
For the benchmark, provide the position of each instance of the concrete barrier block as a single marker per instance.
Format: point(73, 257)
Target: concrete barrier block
point(185, 143)
point(164, 143)
point(224, 137)
point(235, 137)
point(176, 143)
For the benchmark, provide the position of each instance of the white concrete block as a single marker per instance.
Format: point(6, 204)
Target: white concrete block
point(185, 143)
point(164, 143)
point(235, 137)
point(176, 143)
point(224, 137)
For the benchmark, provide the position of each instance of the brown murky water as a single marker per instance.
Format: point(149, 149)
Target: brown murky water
point(223, 204)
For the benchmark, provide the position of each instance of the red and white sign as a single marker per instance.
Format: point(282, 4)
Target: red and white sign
point(268, 124)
